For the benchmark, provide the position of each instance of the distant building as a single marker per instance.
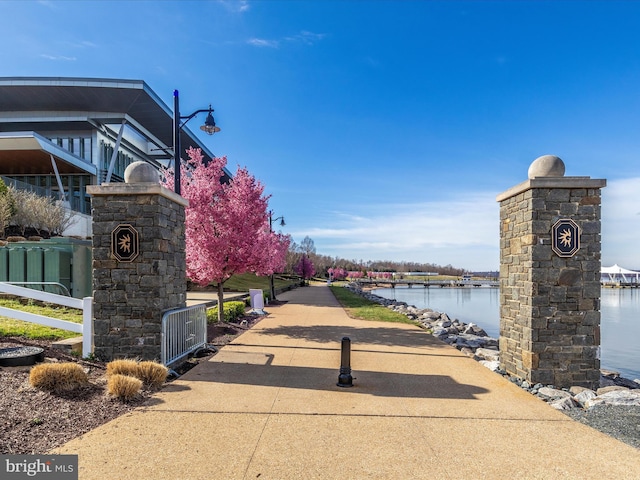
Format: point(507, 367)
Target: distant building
point(618, 275)
point(58, 135)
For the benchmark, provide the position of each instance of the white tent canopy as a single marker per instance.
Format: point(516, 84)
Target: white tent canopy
point(616, 273)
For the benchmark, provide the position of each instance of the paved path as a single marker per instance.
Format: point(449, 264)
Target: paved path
point(267, 406)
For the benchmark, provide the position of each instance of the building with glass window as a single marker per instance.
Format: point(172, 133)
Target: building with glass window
point(58, 135)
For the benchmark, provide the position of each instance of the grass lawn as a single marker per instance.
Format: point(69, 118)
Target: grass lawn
point(16, 328)
point(355, 305)
point(245, 281)
point(363, 309)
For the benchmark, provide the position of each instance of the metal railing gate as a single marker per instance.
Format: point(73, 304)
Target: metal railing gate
point(184, 330)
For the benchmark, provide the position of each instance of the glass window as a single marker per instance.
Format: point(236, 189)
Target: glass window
point(85, 149)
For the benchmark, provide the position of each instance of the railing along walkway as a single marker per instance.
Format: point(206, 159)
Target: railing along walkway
point(85, 304)
point(184, 330)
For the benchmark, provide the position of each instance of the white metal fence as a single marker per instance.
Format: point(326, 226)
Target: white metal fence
point(85, 304)
point(184, 330)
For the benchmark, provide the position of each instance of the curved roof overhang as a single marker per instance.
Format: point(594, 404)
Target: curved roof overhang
point(29, 153)
point(38, 103)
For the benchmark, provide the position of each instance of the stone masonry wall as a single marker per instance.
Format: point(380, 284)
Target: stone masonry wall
point(550, 306)
point(130, 297)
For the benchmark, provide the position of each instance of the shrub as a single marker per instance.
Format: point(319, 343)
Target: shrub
point(57, 218)
point(123, 386)
point(230, 312)
point(122, 367)
point(212, 315)
point(152, 374)
point(58, 376)
point(28, 209)
point(40, 213)
point(6, 211)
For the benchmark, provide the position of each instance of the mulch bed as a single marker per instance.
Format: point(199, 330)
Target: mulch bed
point(35, 421)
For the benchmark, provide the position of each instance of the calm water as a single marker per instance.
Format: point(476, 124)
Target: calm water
point(620, 313)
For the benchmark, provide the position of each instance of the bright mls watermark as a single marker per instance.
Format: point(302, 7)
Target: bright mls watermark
point(51, 467)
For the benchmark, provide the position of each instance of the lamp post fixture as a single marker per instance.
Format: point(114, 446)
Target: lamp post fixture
point(209, 127)
point(282, 224)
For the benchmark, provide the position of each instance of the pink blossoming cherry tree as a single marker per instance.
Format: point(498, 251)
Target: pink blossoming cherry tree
point(305, 267)
point(226, 227)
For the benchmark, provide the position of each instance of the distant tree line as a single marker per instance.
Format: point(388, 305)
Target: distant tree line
point(322, 263)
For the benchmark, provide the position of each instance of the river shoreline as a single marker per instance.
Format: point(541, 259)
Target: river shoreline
point(619, 311)
point(601, 409)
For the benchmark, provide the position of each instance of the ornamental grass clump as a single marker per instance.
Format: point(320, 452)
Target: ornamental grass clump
point(152, 374)
point(58, 377)
point(123, 387)
point(122, 367)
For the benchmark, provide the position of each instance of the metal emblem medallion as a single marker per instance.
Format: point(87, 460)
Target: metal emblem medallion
point(565, 237)
point(125, 244)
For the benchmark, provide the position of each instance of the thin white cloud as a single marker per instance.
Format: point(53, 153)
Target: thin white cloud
point(263, 43)
point(621, 200)
point(463, 221)
point(80, 44)
point(47, 3)
point(58, 58)
point(304, 37)
point(462, 232)
point(621, 223)
point(236, 6)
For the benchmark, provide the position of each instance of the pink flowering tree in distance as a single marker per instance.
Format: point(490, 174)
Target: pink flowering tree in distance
point(226, 225)
point(355, 274)
point(305, 267)
point(337, 273)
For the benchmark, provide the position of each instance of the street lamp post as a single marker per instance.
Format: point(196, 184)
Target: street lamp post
point(282, 224)
point(209, 127)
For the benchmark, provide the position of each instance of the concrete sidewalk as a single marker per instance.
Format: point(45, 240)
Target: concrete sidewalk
point(267, 406)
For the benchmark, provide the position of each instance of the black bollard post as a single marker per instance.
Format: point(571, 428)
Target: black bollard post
point(345, 379)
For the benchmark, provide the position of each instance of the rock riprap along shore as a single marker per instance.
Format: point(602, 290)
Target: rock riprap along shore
point(473, 341)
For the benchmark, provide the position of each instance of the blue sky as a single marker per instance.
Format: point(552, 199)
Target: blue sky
point(382, 129)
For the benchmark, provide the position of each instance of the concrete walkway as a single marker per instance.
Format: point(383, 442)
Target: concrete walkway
point(267, 406)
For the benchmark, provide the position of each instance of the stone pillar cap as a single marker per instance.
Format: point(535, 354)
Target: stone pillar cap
point(546, 166)
point(141, 172)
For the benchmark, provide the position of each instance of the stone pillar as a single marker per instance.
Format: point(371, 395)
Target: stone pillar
point(550, 277)
point(139, 263)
